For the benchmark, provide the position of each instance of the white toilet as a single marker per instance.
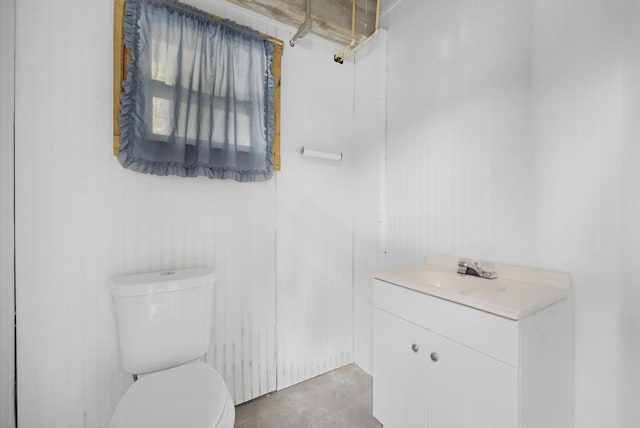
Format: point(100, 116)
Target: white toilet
point(164, 324)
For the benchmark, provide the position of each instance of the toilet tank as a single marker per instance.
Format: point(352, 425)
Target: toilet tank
point(164, 318)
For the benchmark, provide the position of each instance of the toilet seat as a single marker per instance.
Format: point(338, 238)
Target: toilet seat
point(189, 396)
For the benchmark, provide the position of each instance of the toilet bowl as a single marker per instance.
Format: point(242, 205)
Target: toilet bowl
point(164, 327)
point(192, 395)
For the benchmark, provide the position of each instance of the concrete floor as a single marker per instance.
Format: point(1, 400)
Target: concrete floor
point(338, 399)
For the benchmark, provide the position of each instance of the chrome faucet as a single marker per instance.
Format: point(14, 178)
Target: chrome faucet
point(474, 268)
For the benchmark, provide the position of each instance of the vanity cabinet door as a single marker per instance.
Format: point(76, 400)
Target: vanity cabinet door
point(399, 372)
point(468, 388)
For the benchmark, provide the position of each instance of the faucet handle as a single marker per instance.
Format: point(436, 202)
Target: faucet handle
point(466, 263)
point(463, 264)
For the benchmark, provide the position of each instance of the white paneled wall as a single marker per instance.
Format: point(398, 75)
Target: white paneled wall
point(82, 218)
point(315, 215)
point(513, 136)
point(7, 372)
point(458, 156)
point(370, 131)
point(586, 105)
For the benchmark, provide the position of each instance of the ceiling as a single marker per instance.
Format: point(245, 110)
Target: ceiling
point(330, 18)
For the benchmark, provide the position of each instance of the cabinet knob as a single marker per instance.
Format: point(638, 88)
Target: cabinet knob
point(414, 348)
point(434, 357)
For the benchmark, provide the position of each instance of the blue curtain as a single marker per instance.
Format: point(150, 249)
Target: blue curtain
point(198, 97)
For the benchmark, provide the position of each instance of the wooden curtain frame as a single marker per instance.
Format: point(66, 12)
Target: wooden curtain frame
point(121, 58)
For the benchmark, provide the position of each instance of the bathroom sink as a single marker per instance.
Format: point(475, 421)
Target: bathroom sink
point(516, 292)
point(464, 284)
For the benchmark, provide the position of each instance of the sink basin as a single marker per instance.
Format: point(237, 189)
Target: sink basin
point(464, 284)
point(518, 291)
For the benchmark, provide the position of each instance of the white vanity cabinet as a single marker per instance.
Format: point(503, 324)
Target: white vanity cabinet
point(424, 379)
point(441, 364)
point(487, 387)
point(400, 371)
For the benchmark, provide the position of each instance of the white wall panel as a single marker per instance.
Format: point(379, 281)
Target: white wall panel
point(315, 217)
point(7, 367)
point(458, 155)
point(512, 135)
point(586, 100)
point(627, 319)
point(82, 218)
point(370, 139)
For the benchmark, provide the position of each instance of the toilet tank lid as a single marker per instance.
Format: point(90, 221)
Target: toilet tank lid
point(161, 282)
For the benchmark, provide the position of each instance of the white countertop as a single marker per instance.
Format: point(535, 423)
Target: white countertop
point(516, 293)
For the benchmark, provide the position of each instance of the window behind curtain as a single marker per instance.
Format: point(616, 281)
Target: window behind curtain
point(199, 97)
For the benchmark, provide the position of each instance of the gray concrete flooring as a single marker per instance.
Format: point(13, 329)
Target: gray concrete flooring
point(338, 399)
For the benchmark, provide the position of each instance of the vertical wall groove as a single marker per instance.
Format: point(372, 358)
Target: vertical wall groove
point(7, 268)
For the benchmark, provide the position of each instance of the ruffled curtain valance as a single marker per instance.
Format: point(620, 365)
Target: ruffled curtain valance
point(198, 99)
